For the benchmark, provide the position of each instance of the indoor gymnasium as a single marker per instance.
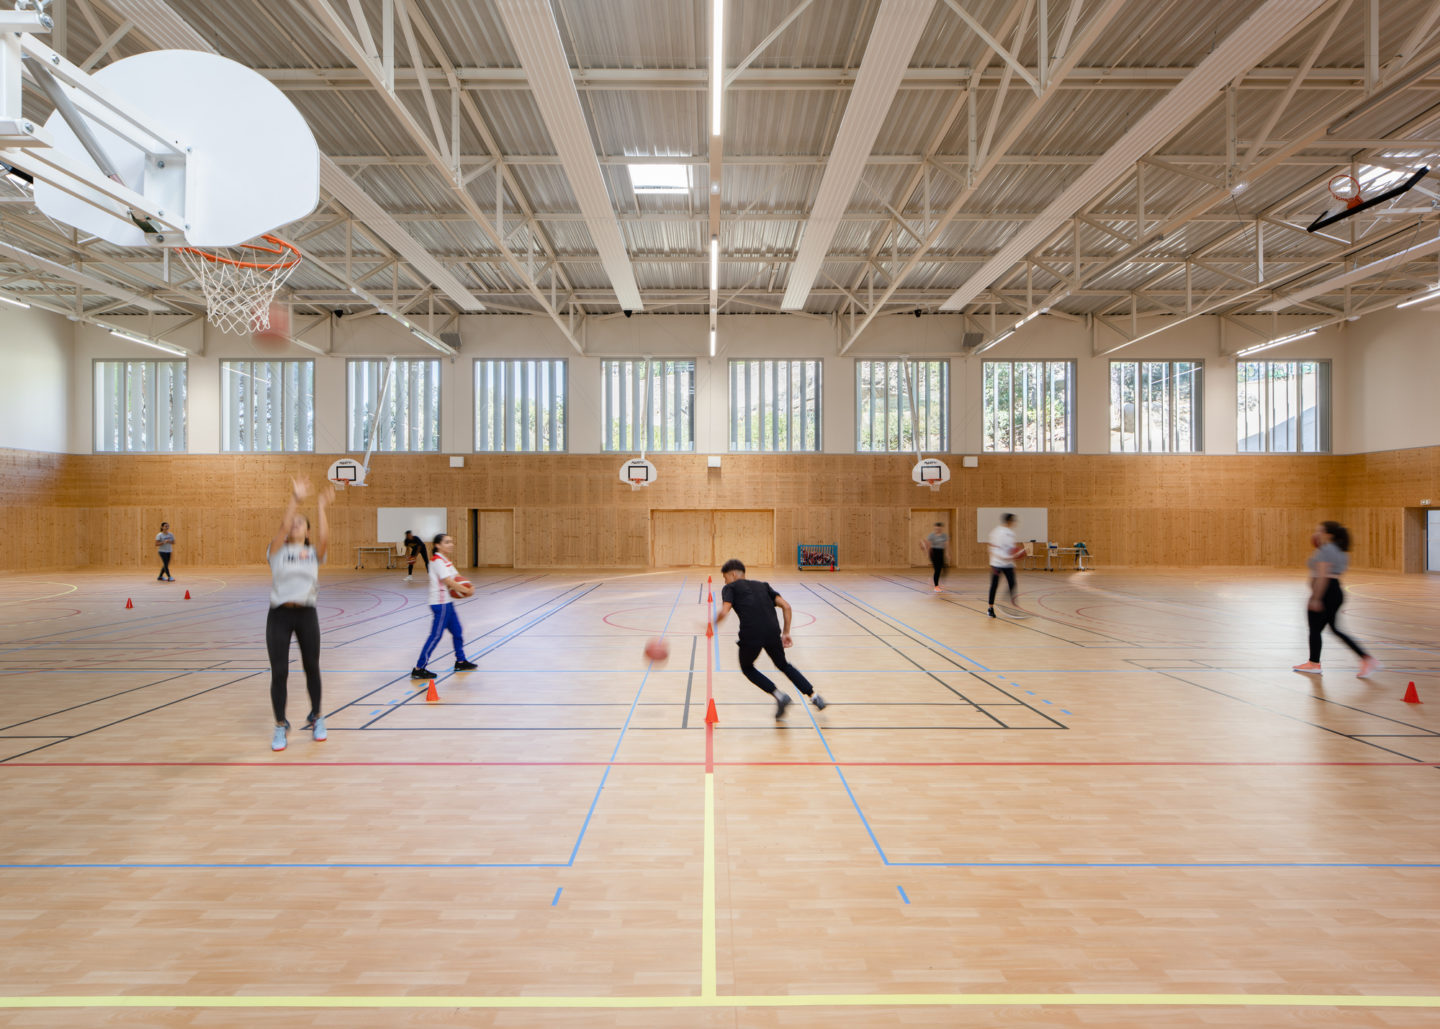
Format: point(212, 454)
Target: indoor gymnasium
point(719, 513)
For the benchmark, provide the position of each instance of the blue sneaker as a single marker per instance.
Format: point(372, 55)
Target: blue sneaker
point(277, 742)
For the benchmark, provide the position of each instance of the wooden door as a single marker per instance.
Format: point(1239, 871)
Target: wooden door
point(494, 539)
point(747, 535)
point(922, 524)
point(680, 539)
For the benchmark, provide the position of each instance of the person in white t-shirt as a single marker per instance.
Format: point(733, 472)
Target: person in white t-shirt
point(1003, 549)
point(444, 578)
point(164, 544)
point(294, 584)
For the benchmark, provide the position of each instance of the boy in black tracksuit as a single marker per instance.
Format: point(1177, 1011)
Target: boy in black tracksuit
point(755, 603)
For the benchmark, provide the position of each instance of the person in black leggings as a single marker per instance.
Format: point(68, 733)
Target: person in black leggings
point(935, 544)
point(295, 576)
point(1330, 561)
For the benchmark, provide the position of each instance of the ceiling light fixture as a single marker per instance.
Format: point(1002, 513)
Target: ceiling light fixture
point(1433, 294)
point(712, 342)
point(1276, 342)
point(12, 300)
point(146, 341)
point(714, 263)
point(717, 63)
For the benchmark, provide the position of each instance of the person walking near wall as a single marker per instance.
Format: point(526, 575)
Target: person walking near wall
point(165, 543)
point(1330, 560)
point(935, 544)
point(1003, 551)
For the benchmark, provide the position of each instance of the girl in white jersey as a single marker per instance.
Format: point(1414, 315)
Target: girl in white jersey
point(444, 578)
point(294, 582)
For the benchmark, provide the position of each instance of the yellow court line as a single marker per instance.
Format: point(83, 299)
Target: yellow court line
point(774, 1001)
point(707, 903)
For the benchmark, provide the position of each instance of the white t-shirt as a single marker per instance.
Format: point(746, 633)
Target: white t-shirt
point(166, 541)
point(1002, 542)
point(440, 570)
point(294, 575)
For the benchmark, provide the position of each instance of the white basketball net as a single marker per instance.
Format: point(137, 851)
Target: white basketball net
point(240, 288)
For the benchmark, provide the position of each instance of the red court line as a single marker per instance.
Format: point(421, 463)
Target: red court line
point(710, 764)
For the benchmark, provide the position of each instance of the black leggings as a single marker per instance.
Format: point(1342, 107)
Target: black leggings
point(164, 563)
point(995, 574)
point(937, 558)
point(1330, 603)
point(304, 623)
point(776, 649)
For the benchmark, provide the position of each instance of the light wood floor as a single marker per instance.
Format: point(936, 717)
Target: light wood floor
point(1123, 810)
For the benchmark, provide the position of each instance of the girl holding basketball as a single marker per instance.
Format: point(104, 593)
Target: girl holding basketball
point(294, 582)
point(1330, 561)
point(445, 584)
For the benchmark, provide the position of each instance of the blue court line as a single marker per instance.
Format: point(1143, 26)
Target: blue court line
point(881, 614)
point(902, 894)
point(557, 896)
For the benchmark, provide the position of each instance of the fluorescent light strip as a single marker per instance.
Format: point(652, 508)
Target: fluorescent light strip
point(1434, 294)
point(717, 63)
point(1275, 343)
point(12, 300)
point(145, 342)
point(714, 263)
point(712, 342)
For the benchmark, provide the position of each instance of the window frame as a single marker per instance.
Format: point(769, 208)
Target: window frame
point(626, 398)
point(940, 396)
point(350, 437)
point(1044, 393)
point(738, 372)
point(98, 426)
point(560, 400)
point(225, 364)
point(1172, 420)
point(1324, 407)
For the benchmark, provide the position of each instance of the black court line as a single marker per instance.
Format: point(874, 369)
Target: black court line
point(905, 631)
point(391, 709)
point(955, 601)
point(138, 714)
point(689, 681)
point(1314, 725)
point(112, 696)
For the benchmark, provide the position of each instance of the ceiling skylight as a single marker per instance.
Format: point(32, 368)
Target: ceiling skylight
point(660, 178)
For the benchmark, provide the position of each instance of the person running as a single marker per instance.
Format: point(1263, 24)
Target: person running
point(754, 602)
point(443, 578)
point(294, 582)
point(165, 543)
point(1330, 561)
point(1002, 558)
point(416, 547)
point(935, 544)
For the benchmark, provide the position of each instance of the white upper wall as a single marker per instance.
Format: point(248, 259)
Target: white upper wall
point(1371, 360)
point(36, 389)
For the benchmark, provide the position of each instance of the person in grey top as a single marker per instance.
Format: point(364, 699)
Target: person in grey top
point(294, 561)
point(165, 543)
point(935, 544)
point(1330, 561)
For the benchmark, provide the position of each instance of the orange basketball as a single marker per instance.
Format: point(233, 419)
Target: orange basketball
point(657, 650)
point(1018, 550)
point(275, 337)
point(462, 589)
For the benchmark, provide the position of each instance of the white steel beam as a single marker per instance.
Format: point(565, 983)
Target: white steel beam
point(898, 25)
point(536, 39)
point(1259, 34)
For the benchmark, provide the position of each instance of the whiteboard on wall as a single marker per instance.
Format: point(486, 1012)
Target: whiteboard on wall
point(425, 522)
point(1032, 523)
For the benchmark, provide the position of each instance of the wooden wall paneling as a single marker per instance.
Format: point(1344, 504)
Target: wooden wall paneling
point(922, 524)
point(681, 539)
point(496, 543)
point(748, 535)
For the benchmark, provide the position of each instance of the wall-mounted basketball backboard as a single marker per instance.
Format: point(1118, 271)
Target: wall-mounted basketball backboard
point(167, 148)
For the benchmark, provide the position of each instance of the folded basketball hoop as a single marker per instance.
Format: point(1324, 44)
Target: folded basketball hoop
point(240, 282)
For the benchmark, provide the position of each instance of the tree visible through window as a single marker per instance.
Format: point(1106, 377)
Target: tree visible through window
point(405, 414)
point(899, 412)
point(647, 405)
point(267, 406)
point(1029, 406)
point(140, 407)
point(774, 405)
point(520, 405)
point(1155, 407)
point(1283, 406)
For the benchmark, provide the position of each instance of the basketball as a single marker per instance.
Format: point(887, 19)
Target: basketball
point(462, 589)
point(1018, 550)
point(276, 336)
point(657, 650)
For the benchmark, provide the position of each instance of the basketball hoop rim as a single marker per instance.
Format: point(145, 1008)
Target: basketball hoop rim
point(1344, 176)
point(281, 246)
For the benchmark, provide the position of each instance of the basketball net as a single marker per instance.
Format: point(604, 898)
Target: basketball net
point(240, 283)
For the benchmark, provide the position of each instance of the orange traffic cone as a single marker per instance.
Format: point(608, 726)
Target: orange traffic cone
point(709, 630)
point(1411, 697)
point(711, 717)
point(187, 594)
point(129, 603)
point(432, 694)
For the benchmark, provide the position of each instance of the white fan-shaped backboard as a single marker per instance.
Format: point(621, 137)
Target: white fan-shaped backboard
point(252, 161)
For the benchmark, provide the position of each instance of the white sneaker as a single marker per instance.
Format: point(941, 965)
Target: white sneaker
point(277, 742)
point(409, 577)
point(317, 727)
